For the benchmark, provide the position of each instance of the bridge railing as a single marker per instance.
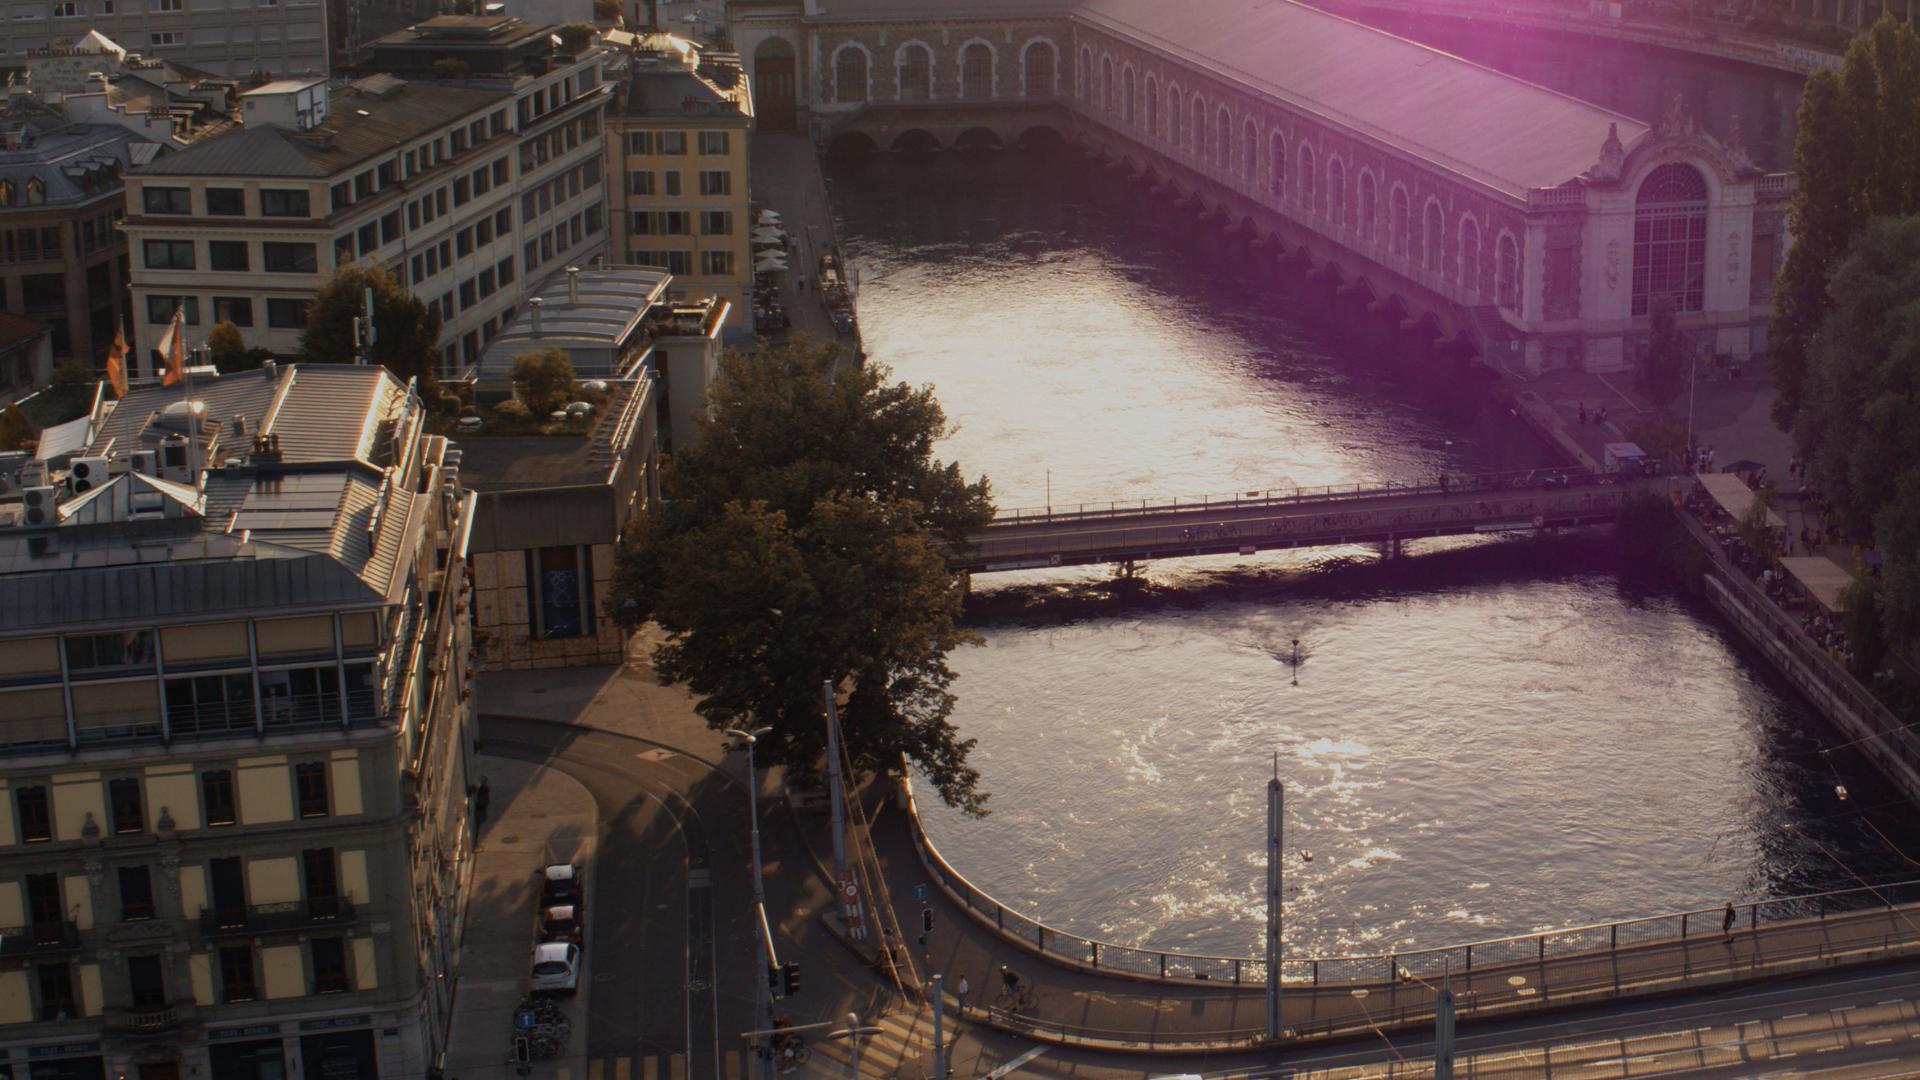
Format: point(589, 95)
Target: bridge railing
point(1610, 938)
point(1508, 481)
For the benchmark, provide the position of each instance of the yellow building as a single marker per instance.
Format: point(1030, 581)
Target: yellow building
point(677, 139)
point(234, 735)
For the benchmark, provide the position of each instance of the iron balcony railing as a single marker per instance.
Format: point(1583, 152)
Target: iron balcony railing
point(266, 918)
point(39, 938)
point(148, 1022)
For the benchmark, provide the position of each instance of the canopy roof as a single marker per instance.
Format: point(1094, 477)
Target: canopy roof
point(1823, 578)
point(1733, 495)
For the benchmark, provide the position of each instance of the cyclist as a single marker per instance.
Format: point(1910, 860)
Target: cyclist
point(1011, 980)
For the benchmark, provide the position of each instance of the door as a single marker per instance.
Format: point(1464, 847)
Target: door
point(323, 884)
point(228, 882)
point(774, 86)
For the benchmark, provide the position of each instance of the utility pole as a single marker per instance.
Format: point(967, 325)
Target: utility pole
point(763, 978)
point(939, 1034)
point(836, 790)
point(1274, 819)
point(1443, 1032)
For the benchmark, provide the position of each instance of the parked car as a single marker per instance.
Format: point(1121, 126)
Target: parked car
point(562, 883)
point(556, 968)
point(561, 923)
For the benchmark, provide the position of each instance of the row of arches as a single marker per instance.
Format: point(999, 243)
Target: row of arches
point(851, 69)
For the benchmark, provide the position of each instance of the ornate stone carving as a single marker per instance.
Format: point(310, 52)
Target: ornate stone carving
point(1613, 265)
point(90, 829)
point(1676, 122)
point(1736, 144)
point(1612, 156)
point(1733, 256)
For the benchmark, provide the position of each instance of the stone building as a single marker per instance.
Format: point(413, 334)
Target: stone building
point(234, 736)
point(237, 38)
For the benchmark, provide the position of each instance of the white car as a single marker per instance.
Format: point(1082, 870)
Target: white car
point(556, 968)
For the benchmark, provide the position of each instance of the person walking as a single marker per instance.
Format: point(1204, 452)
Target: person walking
point(1726, 921)
point(482, 796)
point(960, 993)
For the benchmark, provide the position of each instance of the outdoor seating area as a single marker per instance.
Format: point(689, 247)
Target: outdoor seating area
point(772, 247)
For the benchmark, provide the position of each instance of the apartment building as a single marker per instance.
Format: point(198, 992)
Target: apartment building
point(463, 187)
point(678, 137)
point(234, 735)
point(238, 38)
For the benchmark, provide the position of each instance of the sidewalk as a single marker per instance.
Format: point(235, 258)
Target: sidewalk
point(539, 816)
point(786, 178)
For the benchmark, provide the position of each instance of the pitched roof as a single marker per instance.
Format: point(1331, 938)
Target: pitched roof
point(75, 162)
point(1507, 133)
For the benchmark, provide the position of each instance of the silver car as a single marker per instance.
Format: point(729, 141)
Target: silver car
point(556, 968)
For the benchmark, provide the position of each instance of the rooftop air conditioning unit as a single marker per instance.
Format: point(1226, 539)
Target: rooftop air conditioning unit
point(145, 462)
point(39, 506)
point(87, 473)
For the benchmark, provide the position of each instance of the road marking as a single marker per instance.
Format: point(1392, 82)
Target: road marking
point(1878, 1042)
point(1842, 1008)
point(1793, 1016)
point(1007, 1069)
point(1895, 1001)
point(1785, 1056)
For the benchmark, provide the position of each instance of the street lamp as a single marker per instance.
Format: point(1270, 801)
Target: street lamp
point(853, 1032)
point(763, 1016)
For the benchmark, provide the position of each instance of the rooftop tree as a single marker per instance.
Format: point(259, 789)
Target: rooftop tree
point(407, 330)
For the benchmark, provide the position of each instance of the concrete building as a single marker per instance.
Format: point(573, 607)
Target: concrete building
point(238, 38)
point(63, 260)
point(677, 134)
point(234, 735)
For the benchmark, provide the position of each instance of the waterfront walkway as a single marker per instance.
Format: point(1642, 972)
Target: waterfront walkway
point(786, 178)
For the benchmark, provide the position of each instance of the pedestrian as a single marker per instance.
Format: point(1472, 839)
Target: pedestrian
point(482, 796)
point(1583, 412)
point(960, 993)
point(1726, 921)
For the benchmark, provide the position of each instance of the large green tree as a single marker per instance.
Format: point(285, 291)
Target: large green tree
point(1859, 427)
point(1856, 155)
point(408, 331)
point(800, 542)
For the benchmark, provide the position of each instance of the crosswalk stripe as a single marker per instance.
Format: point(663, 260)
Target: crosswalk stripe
point(594, 1069)
point(623, 1069)
point(904, 1039)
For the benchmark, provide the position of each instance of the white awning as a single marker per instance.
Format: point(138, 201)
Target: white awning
point(1823, 578)
point(1734, 496)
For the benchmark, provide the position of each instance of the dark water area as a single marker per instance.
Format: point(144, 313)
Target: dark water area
point(1485, 736)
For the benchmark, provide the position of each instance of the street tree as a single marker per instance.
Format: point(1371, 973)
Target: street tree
point(1856, 155)
point(16, 431)
point(407, 330)
point(226, 346)
point(801, 542)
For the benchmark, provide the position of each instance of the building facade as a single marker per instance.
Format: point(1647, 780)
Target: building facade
point(225, 37)
point(234, 824)
point(677, 135)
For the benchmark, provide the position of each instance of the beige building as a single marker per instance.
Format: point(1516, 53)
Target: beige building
point(224, 37)
point(677, 134)
point(234, 736)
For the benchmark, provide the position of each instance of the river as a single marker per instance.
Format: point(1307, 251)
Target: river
point(1483, 737)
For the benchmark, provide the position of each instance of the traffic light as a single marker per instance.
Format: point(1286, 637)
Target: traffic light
point(790, 978)
point(926, 920)
point(773, 978)
point(522, 1050)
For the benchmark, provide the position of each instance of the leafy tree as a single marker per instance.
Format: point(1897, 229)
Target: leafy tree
point(606, 11)
point(450, 67)
point(408, 331)
point(1756, 532)
point(1856, 155)
point(801, 542)
point(16, 431)
point(1665, 367)
point(577, 36)
point(1864, 622)
point(543, 379)
point(229, 349)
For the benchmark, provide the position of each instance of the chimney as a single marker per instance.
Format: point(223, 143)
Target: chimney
point(271, 369)
point(535, 304)
point(573, 286)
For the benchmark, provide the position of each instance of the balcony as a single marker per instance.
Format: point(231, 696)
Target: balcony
point(317, 911)
point(147, 1023)
point(40, 939)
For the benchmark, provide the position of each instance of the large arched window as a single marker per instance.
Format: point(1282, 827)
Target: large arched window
point(1670, 239)
point(6, 193)
point(36, 191)
point(850, 74)
point(1249, 149)
point(1506, 273)
point(1176, 108)
point(1106, 84)
point(1037, 69)
point(1153, 106)
point(976, 71)
point(916, 73)
point(1304, 190)
point(1398, 214)
point(1222, 139)
point(1433, 229)
point(1469, 256)
point(1277, 164)
point(1336, 192)
point(1126, 96)
point(1369, 205)
point(1198, 130)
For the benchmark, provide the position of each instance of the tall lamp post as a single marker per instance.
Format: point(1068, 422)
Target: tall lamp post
point(763, 999)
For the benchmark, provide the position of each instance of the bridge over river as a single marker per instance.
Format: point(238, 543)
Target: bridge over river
point(1265, 520)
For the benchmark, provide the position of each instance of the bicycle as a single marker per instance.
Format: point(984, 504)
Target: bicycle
point(1014, 1000)
point(792, 1052)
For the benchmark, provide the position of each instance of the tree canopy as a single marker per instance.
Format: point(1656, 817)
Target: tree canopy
point(408, 331)
point(1859, 426)
point(1856, 155)
point(544, 379)
point(801, 542)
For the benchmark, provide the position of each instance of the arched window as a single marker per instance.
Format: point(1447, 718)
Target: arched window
point(1106, 84)
point(1198, 130)
point(1304, 190)
point(1126, 96)
point(1369, 205)
point(1176, 108)
point(36, 191)
point(1085, 84)
point(1277, 164)
point(1037, 70)
point(1506, 273)
point(1336, 192)
point(1249, 149)
point(1153, 106)
point(6, 193)
point(976, 71)
point(1222, 139)
point(850, 74)
point(1433, 229)
point(1670, 239)
point(1469, 256)
point(916, 73)
point(1398, 215)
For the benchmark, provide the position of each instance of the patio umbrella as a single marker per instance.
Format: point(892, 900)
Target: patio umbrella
point(769, 262)
point(769, 217)
point(769, 235)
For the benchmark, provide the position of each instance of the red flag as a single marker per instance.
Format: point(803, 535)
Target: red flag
point(117, 364)
point(173, 350)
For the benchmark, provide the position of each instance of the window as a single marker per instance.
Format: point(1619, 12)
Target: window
point(713, 143)
point(329, 958)
point(673, 262)
point(1506, 273)
point(168, 254)
point(505, 270)
point(367, 238)
point(469, 295)
point(640, 183)
point(216, 796)
point(916, 73)
point(66, 9)
point(1432, 229)
point(390, 227)
point(670, 181)
point(164, 38)
point(231, 202)
point(160, 309)
point(1336, 192)
point(146, 981)
point(34, 813)
point(561, 606)
point(463, 243)
point(237, 310)
point(716, 263)
point(310, 788)
point(236, 974)
point(500, 175)
point(278, 203)
point(56, 992)
point(1369, 205)
point(716, 223)
point(716, 182)
point(850, 74)
point(227, 255)
point(166, 200)
point(1304, 189)
point(671, 142)
point(639, 142)
point(277, 258)
point(1277, 164)
point(486, 283)
point(1037, 73)
point(1469, 245)
point(308, 695)
point(124, 648)
point(286, 314)
point(136, 893)
point(123, 805)
point(462, 191)
point(1399, 220)
point(1670, 239)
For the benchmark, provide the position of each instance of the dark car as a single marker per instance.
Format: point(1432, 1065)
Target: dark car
point(562, 883)
point(561, 923)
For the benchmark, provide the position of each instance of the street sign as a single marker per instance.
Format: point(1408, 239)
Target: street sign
point(920, 891)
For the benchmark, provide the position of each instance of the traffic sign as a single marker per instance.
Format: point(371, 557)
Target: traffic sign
point(920, 891)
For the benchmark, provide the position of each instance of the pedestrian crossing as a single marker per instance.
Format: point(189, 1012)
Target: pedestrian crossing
point(902, 1048)
point(636, 1067)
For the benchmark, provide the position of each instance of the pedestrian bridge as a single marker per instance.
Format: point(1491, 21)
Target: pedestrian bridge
point(1265, 520)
